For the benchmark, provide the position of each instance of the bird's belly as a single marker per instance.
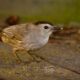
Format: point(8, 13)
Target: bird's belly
point(32, 45)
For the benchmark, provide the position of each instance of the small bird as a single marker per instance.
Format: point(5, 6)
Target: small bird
point(28, 36)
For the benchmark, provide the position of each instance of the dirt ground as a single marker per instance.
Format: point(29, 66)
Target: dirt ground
point(58, 60)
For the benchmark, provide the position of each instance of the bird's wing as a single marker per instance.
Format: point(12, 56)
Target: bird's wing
point(14, 34)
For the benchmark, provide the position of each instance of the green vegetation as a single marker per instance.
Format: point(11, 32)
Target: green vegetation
point(56, 11)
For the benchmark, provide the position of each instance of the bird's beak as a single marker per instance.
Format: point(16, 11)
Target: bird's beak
point(57, 28)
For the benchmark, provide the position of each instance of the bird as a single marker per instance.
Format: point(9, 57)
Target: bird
point(28, 36)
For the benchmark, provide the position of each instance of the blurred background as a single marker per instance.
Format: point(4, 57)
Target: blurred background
point(56, 11)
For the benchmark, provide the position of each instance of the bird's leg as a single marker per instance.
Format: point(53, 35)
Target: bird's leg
point(32, 57)
point(35, 57)
point(16, 55)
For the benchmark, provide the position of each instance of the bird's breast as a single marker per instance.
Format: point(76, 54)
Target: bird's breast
point(31, 42)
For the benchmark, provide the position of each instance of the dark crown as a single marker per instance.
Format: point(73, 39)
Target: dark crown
point(43, 22)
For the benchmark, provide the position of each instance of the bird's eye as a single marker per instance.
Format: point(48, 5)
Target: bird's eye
point(46, 27)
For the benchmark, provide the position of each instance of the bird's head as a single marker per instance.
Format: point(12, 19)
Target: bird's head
point(46, 28)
